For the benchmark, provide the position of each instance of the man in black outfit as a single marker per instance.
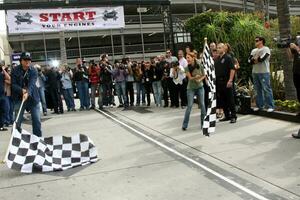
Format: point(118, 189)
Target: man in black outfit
point(294, 51)
point(53, 88)
point(225, 72)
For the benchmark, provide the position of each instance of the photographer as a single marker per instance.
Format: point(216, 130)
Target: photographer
point(106, 96)
point(129, 80)
point(140, 89)
point(147, 80)
point(94, 80)
point(4, 78)
point(82, 83)
point(119, 74)
point(67, 88)
point(40, 84)
point(178, 75)
point(157, 72)
point(294, 52)
point(54, 90)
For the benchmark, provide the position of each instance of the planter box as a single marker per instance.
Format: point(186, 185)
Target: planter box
point(243, 104)
point(285, 116)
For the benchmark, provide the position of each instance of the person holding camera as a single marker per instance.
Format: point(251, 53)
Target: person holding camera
point(157, 72)
point(139, 84)
point(147, 80)
point(119, 75)
point(24, 78)
point(82, 84)
point(40, 84)
point(129, 81)
point(94, 72)
point(260, 59)
point(177, 73)
point(106, 96)
point(67, 88)
point(54, 90)
point(9, 107)
point(4, 78)
point(294, 52)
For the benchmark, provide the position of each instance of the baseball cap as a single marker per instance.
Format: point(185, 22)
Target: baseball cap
point(25, 56)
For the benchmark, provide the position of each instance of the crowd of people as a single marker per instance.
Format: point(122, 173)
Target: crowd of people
point(173, 81)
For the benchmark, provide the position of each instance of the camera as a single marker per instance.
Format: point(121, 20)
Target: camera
point(285, 42)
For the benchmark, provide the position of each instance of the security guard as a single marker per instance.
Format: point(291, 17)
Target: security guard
point(24, 78)
point(225, 72)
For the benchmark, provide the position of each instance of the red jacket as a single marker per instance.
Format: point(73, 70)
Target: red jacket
point(94, 75)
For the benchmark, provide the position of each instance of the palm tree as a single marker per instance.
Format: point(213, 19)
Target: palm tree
point(283, 13)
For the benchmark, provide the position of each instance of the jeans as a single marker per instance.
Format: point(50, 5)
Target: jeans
point(121, 92)
point(140, 90)
point(43, 99)
point(2, 105)
point(190, 98)
point(262, 86)
point(83, 93)
point(156, 86)
point(94, 87)
point(69, 98)
point(35, 116)
point(8, 110)
point(130, 91)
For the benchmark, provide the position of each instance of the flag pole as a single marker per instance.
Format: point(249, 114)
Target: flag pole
point(3, 161)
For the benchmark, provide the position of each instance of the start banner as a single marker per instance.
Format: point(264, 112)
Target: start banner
point(74, 19)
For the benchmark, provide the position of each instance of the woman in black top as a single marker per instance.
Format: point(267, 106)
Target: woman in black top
point(147, 80)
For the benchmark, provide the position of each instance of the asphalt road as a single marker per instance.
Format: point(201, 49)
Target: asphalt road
point(145, 155)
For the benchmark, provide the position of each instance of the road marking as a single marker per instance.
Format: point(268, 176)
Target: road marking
point(233, 183)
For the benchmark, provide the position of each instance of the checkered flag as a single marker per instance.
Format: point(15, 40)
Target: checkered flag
point(28, 153)
point(209, 124)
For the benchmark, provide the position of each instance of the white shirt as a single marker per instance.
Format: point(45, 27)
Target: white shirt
point(183, 62)
point(179, 76)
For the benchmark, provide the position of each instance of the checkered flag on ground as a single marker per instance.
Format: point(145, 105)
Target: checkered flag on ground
point(209, 124)
point(28, 153)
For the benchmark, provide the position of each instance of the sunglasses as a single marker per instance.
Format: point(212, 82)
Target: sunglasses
point(257, 40)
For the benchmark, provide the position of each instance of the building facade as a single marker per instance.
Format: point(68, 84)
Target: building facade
point(157, 27)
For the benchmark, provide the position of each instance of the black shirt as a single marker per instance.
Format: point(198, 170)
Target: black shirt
point(147, 76)
point(296, 62)
point(157, 72)
point(81, 74)
point(223, 65)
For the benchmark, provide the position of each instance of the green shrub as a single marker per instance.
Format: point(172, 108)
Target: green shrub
point(238, 29)
point(287, 105)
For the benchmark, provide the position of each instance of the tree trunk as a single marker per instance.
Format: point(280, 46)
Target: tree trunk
point(259, 6)
point(285, 32)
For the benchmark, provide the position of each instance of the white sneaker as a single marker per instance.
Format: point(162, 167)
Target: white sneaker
point(255, 109)
point(270, 110)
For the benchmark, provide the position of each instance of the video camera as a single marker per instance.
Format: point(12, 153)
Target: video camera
point(285, 42)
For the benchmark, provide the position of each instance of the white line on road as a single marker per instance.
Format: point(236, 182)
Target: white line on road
point(235, 184)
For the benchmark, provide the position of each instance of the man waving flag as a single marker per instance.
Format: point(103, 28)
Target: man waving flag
point(209, 124)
